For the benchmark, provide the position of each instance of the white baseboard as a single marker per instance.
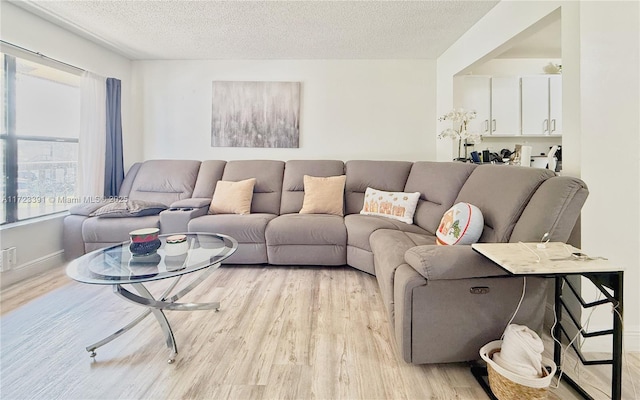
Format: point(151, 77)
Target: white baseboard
point(34, 267)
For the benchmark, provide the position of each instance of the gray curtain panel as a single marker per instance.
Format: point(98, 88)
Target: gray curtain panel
point(114, 163)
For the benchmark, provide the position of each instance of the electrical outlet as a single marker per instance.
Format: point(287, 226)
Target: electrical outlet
point(4, 260)
point(12, 258)
point(8, 259)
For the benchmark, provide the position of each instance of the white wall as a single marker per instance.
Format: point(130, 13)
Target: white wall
point(38, 248)
point(39, 244)
point(600, 42)
point(610, 100)
point(350, 109)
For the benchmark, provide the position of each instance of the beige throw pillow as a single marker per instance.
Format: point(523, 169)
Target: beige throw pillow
point(323, 195)
point(232, 197)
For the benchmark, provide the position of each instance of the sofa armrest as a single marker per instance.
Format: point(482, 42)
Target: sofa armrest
point(85, 209)
point(451, 262)
point(195, 202)
point(176, 220)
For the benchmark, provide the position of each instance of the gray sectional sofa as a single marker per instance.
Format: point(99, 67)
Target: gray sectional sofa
point(435, 313)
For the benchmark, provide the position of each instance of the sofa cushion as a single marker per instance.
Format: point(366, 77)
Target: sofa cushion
point(323, 195)
point(209, 173)
point(554, 208)
point(115, 230)
point(320, 229)
point(394, 205)
point(360, 227)
point(268, 188)
point(244, 228)
point(129, 208)
point(439, 184)
point(501, 193)
point(293, 181)
point(232, 197)
point(461, 224)
point(359, 230)
point(164, 181)
point(307, 239)
point(390, 176)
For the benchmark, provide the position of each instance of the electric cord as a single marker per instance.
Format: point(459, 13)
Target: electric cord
point(531, 250)
point(566, 349)
point(524, 289)
point(576, 367)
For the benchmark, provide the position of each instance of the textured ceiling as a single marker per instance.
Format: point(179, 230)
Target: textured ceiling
point(143, 30)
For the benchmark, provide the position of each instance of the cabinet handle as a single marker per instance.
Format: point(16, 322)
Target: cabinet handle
point(486, 125)
point(545, 125)
point(493, 125)
point(553, 125)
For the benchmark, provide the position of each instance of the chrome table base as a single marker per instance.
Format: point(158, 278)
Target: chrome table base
point(156, 307)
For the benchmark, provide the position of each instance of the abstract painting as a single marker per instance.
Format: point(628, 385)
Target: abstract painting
point(255, 114)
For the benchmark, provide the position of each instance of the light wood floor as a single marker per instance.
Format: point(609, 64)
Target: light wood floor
point(282, 333)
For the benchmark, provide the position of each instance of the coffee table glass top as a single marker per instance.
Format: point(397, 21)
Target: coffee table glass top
point(116, 265)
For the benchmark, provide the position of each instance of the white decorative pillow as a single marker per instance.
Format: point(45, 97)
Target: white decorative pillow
point(323, 195)
point(395, 205)
point(461, 224)
point(232, 197)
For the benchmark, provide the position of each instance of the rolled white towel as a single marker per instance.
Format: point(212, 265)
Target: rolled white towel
point(521, 351)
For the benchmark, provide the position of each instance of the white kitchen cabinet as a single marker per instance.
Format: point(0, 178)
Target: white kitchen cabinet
point(542, 105)
point(505, 105)
point(477, 96)
point(555, 104)
point(496, 101)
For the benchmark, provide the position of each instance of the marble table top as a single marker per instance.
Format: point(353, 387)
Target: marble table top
point(548, 258)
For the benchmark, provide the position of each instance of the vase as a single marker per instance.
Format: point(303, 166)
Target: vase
point(460, 158)
point(141, 249)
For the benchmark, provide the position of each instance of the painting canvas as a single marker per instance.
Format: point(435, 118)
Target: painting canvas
point(255, 114)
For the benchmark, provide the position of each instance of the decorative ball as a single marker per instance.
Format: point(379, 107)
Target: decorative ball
point(461, 224)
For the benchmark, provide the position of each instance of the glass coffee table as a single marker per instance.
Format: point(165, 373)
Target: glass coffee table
point(116, 266)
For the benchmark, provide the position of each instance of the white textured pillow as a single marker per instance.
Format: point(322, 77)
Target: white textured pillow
point(461, 224)
point(323, 195)
point(395, 205)
point(232, 197)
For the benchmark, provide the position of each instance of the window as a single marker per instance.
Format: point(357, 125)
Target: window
point(39, 138)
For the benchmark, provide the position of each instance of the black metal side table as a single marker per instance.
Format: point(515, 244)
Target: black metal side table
point(559, 261)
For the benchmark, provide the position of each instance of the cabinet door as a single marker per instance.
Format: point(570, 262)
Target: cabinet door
point(505, 105)
point(535, 105)
point(555, 104)
point(477, 96)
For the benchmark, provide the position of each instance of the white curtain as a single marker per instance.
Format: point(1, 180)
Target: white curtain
point(92, 139)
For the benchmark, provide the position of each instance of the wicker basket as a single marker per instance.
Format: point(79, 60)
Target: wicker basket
point(502, 382)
